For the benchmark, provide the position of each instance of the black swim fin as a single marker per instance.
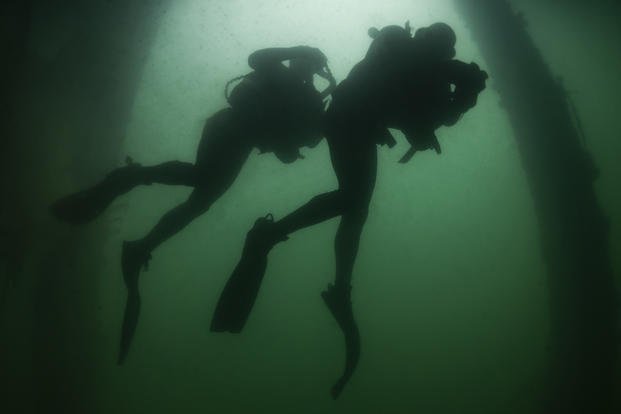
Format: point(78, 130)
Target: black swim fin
point(133, 259)
point(130, 322)
point(338, 302)
point(84, 206)
point(239, 295)
point(242, 288)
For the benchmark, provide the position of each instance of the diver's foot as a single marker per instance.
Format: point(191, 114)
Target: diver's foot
point(263, 236)
point(133, 258)
point(86, 205)
point(338, 300)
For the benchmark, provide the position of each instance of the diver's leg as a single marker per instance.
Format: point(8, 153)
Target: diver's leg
point(232, 312)
point(218, 165)
point(355, 164)
point(355, 167)
point(86, 205)
point(319, 209)
point(169, 173)
point(356, 172)
point(136, 255)
point(221, 155)
point(174, 221)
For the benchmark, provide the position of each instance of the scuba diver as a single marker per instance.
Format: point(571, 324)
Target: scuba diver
point(409, 83)
point(274, 108)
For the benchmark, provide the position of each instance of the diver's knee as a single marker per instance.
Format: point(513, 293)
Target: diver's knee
point(354, 204)
point(196, 206)
point(355, 212)
point(334, 197)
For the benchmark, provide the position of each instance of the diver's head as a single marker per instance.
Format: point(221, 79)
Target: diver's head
point(438, 40)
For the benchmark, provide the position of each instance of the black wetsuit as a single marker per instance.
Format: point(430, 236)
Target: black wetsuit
point(410, 91)
point(285, 111)
point(275, 110)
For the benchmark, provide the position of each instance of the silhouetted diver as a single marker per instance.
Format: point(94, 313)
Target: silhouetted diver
point(275, 108)
point(412, 84)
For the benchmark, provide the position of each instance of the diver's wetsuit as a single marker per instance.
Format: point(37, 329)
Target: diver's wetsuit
point(364, 106)
point(277, 110)
point(409, 91)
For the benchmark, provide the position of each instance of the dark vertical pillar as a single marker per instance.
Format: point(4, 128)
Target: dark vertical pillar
point(574, 230)
point(72, 70)
point(89, 86)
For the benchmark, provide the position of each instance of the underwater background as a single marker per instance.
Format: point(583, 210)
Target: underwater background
point(450, 289)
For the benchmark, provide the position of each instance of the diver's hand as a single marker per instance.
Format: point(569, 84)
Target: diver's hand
point(421, 137)
point(326, 74)
point(420, 142)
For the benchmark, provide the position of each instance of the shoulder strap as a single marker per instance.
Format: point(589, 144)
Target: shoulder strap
point(227, 94)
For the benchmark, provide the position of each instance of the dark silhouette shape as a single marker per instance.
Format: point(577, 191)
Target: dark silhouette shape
point(339, 304)
point(241, 290)
point(275, 108)
point(574, 227)
point(404, 82)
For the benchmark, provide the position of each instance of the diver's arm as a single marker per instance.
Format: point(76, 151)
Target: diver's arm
point(469, 81)
point(421, 136)
point(272, 56)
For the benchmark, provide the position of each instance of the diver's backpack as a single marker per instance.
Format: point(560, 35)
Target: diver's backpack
point(288, 113)
point(388, 41)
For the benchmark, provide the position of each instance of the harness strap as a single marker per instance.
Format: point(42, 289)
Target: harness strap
point(227, 94)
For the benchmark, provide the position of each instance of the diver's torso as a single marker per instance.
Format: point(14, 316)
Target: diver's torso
point(281, 111)
point(377, 95)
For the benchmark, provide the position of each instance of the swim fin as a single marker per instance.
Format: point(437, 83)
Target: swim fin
point(86, 205)
point(242, 288)
point(338, 301)
point(83, 206)
point(239, 295)
point(130, 322)
point(133, 259)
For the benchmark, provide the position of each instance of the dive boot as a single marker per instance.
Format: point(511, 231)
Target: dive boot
point(86, 205)
point(242, 288)
point(133, 259)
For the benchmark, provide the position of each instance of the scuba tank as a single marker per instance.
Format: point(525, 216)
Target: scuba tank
point(247, 93)
point(388, 41)
point(285, 113)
